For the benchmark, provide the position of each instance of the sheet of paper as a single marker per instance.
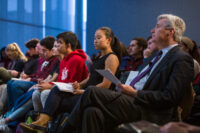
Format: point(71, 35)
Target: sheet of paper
point(131, 76)
point(18, 79)
point(108, 74)
point(66, 87)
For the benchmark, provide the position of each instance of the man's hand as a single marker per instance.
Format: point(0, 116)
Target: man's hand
point(77, 88)
point(146, 53)
point(44, 86)
point(127, 89)
point(76, 85)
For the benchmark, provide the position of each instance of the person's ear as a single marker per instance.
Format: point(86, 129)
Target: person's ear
point(109, 40)
point(171, 32)
point(69, 45)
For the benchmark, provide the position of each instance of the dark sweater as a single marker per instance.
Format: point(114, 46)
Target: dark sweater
point(30, 66)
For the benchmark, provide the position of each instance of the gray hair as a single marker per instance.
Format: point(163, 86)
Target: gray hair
point(176, 23)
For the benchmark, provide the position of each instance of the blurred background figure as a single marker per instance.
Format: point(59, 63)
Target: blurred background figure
point(191, 48)
point(151, 48)
point(4, 60)
point(17, 58)
point(135, 58)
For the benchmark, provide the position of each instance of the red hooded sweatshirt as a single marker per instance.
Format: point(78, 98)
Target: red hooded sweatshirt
point(73, 67)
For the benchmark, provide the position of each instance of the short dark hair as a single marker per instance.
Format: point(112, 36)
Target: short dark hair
point(149, 38)
point(32, 43)
point(48, 42)
point(69, 37)
point(78, 46)
point(141, 42)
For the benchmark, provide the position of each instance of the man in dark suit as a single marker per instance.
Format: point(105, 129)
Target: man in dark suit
point(155, 97)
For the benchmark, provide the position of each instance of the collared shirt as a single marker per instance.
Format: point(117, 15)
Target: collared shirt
point(44, 69)
point(140, 84)
point(129, 63)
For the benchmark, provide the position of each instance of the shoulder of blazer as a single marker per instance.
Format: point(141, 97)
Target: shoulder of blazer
point(168, 58)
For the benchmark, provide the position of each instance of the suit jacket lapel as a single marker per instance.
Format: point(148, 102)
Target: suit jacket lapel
point(163, 62)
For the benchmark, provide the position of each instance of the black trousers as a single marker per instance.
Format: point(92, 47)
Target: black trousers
point(99, 110)
point(59, 102)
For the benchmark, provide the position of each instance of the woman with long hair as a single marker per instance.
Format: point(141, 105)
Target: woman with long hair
point(18, 59)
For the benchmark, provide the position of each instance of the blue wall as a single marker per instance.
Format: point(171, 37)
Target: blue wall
point(21, 20)
point(133, 18)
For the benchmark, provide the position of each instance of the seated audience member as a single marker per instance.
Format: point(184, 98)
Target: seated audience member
point(18, 113)
point(54, 74)
point(4, 60)
point(32, 63)
point(3, 87)
point(135, 59)
point(17, 59)
point(39, 96)
point(189, 47)
point(17, 65)
point(28, 69)
point(149, 53)
point(15, 88)
point(154, 95)
point(30, 66)
point(151, 48)
point(58, 101)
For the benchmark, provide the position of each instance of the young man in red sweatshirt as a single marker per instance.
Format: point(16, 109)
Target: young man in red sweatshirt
point(72, 66)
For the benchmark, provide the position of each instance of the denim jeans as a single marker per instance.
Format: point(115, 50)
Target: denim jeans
point(16, 88)
point(21, 111)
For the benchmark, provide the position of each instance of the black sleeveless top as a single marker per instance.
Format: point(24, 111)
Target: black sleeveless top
point(95, 77)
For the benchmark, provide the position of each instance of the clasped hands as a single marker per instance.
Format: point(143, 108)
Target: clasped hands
point(128, 90)
point(77, 88)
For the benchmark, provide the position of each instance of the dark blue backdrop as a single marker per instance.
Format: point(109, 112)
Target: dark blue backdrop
point(21, 20)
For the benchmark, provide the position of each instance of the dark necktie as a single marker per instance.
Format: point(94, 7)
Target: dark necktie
point(141, 75)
